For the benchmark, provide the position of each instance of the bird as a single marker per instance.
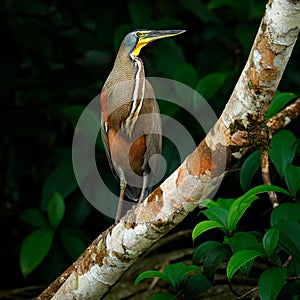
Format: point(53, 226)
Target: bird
point(130, 118)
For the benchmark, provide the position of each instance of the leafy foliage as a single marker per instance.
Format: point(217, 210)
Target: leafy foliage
point(271, 282)
point(282, 154)
point(239, 259)
point(34, 249)
point(292, 178)
point(279, 101)
point(270, 240)
point(36, 245)
point(283, 150)
point(239, 249)
point(249, 169)
point(183, 279)
point(227, 218)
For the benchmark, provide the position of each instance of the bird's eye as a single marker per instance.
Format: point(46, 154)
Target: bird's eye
point(138, 34)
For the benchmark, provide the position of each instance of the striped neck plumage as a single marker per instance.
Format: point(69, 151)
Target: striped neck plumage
point(137, 95)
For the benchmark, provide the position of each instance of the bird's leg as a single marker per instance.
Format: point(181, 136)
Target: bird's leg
point(121, 197)
point(142, 195)
point(141, 198)
point(145, 178)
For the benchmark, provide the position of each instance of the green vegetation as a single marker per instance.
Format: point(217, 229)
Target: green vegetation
point(55, 57)
point(239, 249)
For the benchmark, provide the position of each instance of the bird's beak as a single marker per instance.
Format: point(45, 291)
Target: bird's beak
point(153, 35)
point(148, 36)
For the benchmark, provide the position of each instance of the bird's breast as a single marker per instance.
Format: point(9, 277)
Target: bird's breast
point(126, 154)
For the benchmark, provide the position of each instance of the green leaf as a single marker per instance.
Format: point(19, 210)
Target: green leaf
point(54, 263)
point(263, 189)
point(209, 203)
point(244, 241)
point(213, 259)
point(221, 202)
point(150, 274)
point(285, 212)
point(241, 241)
point(203, 249)
point(270, 240)
point(249, 168)
point(56, 209)
point(225, 203)
point(282, 150)
point(217, 214)
point(276, 258)
point(239, 259)
point(294, 267)
point(195, 285)
point(187, 74)
point(245, 269)
point(271, 282)
point(34, 217)
point(34, 249)
point(278, 102)
point(175, 272)
point(73, 241)
point(289, 238)
point(204, 226)
point(163, 296)
point(61, 180)
point(78, 211)
point(289, 290)
point(239, 207)
point(292, 178)
point(237, 210)
point(167, 108)
point(168, 55)
point(209, 85)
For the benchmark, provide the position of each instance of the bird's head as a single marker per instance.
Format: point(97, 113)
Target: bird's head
point(136, 40)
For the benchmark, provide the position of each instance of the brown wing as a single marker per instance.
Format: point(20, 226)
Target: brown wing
point(150, 125)
point(104, 131)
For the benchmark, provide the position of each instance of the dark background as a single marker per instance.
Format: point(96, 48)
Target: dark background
point(55, 57)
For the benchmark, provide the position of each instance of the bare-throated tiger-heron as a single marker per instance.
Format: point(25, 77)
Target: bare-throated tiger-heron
point(130, 119)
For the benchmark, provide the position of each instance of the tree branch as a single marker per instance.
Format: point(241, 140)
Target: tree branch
point(264, 162)
point(284, 117)
point(238, 129)
point(274, 124)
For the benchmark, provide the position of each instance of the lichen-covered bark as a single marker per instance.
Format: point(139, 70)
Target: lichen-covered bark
point(259, 80)
point(284, 117)
point(116, 249)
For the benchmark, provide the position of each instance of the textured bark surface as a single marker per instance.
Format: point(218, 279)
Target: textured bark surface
point(284, 117)
point(238, 129)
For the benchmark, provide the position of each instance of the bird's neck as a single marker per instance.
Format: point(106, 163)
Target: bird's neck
point(138, 93)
